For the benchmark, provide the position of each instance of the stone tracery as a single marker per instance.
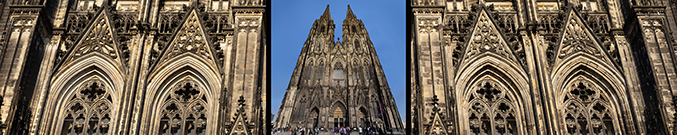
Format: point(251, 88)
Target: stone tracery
point(586, 110)
point(491, 111)
point(184, 111)
point(89, 111)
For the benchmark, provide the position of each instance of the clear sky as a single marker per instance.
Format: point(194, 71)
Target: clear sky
point(291, 23)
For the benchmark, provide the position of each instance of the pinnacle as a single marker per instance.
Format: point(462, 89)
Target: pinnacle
point(326, 13)
point(350, 12)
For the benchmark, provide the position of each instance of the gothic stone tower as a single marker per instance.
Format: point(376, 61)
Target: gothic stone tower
point(133, 67)
point(542, 66)
point(338, 84)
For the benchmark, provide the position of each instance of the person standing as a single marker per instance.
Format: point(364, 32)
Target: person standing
point(360, 129)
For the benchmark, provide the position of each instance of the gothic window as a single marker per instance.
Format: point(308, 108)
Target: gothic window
point(376, 107)
point(339, 79)
point(320, 72)
point(491, 111)
point(586, 111)
point(308, 72)
point(89, 111)
point(590, 5)
point(301, 108)
point(219, 5)
point(358, 47)
point(367, 71)
point(356, 72)
point(184, 111)
point(319, 46)
point(83, 5)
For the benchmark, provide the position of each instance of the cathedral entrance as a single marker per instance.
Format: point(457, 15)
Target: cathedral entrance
point(339, 120)
point(363, 117)
point(314, 117)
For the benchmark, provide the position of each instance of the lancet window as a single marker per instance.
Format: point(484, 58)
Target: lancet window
point(339, 79)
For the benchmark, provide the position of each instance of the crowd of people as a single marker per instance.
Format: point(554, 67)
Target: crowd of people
point(336, 131)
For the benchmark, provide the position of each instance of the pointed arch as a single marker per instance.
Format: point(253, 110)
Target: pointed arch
point(308, 70)
point(320, 70)
point(319, 43)
point(357, 45)
point(493, 89)
point(356, 72)
point(314, 119)
point(184, 110)
point(338, 74)
point(585, 61)
point(300, 106)
point(338, 115)
point(362, 116)
point(162, 83)
point(70, 88)
point(494, 107)
point(585, 93)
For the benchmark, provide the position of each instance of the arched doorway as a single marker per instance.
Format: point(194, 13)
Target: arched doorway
point(314, 117)
point(339, 120)
point(363, 117)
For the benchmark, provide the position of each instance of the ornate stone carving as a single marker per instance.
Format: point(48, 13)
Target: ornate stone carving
point(486, 38)
point(89, 110)
point(586, 111)
point(119, 43)
point(491, 110)
point(184, 111)
point(189, 38)
point(99, 38)
point(577, 39)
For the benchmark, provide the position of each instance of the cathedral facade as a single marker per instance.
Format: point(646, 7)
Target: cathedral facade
point(543, 66)
point(133, 67)
point(338, 84)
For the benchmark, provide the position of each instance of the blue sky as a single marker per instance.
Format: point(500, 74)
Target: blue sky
point(291, 23)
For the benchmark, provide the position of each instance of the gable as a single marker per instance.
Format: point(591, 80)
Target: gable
point(98, 38)
point(577, 38)
point(486, 39)
point(190, 38)
point(437, 126)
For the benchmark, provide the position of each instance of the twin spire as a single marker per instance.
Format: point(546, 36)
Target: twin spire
point(327, 14)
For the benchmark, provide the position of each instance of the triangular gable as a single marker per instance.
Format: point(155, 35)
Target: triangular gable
point(437, 127)
point(239, 128)
point(485, 38)
point(577, 37)
point(240, 125)
point(338, 48)
point(99, 37)
point(190, 38)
